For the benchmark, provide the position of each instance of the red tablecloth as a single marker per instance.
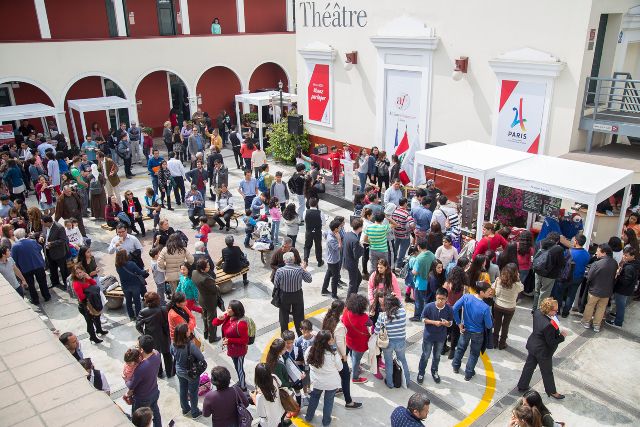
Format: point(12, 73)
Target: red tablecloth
point(322, 160)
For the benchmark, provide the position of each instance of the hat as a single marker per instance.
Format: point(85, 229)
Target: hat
point(389, 208)
point(576, 217)
point(430, 183)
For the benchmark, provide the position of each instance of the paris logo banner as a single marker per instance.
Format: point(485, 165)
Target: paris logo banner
point(319, 95)
point(520, 115)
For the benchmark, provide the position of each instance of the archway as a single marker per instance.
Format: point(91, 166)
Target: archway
point(16, 92)
point(94, 87)
point(267, 76)
point(156, 94)
point(216, 90)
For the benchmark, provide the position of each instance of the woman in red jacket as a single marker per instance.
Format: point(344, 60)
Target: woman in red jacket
point(356, 320)
point(81, 282)
point(235, 331)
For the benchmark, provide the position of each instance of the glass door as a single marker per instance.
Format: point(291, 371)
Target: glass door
point(166, 18)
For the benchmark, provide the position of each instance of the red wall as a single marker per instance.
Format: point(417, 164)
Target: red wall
point(145, 16)
point(218, 87)
point(88, 87)
point(265, 16)
point(19, 21)
point(202, 12)
point(267, 76)
point(154, 94)
point(30, 94)
point(73, 19)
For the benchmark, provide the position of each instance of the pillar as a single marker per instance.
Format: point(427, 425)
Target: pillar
point(240, 12)
point(184, 13)
point(121, 22)
point(43, 19)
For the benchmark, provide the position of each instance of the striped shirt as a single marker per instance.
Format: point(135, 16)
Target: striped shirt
point(404, 221)
point(377, 234)
point(396, 328)
point(289, 278)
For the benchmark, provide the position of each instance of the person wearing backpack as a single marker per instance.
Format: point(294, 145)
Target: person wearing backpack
point(382, 168)
point(600, 282)
point(81, 282)
point(548, 263)
point(626, 281)
point(235, 330)
point(265, 180)
point(186, 354)
point(565, 292)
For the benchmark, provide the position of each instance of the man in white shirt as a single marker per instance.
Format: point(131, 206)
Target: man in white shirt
point(176, 168)
point(122, 240)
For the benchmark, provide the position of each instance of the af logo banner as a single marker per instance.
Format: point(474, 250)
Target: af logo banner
point(402, 110)
point(520, 115)
point(319, 95)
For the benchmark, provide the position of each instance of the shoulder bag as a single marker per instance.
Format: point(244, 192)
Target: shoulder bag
point(383, 337)
point(143, 281)
point(195, 367)
point(244, 416)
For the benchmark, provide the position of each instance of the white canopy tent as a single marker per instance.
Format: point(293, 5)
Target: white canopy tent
point(28, 111)
point(472, 160)
point(94, 104)
point(262, 99)
point(567, 179)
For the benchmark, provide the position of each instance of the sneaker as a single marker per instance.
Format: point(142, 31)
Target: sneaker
point(360, 380)
point(586, 325)
point(414, 319)
point(196, 415)
point(325, 293)
point(353, 405)
point(596, 328)
point(612, 323)
point(456, 370)
point(320, 264)
point(420, 379)
point(339, 391)
point(436, 377)
point(378, 375)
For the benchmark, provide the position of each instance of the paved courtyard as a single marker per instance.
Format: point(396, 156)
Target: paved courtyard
point(599, 374)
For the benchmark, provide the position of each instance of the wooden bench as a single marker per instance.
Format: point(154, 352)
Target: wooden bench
point(115, 298)
point(105, 226)
point(224, 280)
point(211, 212)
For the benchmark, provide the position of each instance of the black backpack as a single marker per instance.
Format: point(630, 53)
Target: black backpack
point(566, 275)
point(541, 263)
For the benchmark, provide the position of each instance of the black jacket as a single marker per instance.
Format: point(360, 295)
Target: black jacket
point(232, 259)
point(602, 276)
point(207, 289)
point(154, 321)
point(58, 242)
point(296, 183)
point(136, 204)
point(556, 261)
point(313, 220)
point(545, 337)
point(627, 278)
point(352, 250)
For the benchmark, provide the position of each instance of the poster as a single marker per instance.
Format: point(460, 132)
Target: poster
point(6, 134)
point(520, 115)
point(319, 94)
point(401, 108)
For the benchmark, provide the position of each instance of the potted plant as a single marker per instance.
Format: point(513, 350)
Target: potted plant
point(282, 144)
point(249, 117)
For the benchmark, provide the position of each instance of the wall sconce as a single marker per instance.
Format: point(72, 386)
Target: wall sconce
point(199, 99)
point(462, 64)
point(352, 59)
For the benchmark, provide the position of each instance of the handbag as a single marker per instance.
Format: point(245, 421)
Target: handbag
point(143, 281)
point(383, 337)
point(397, 373)
point(195, 367)
point(244, 416)
point(276, 297)
point(288, 402)
point(220, 303)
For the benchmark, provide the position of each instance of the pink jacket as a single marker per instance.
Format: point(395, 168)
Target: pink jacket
point(373, 289)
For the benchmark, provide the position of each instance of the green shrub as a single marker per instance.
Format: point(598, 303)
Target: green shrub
point(282, 145)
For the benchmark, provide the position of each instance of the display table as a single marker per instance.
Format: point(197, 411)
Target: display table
point(322, 160)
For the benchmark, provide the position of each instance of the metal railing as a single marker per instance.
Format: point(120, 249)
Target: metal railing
point(612, 97)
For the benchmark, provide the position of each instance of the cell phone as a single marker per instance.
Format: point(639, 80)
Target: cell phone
point(172, 423)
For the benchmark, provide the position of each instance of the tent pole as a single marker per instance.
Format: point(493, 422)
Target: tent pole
point(45, 127)
point(482, 196)
point(238, 116)
point(117, 118)
point(624, 207)
point(73, 125)
point(55, 117)
point(494, 199)
point(591, 218)
point(260, 125)
point(84, 126)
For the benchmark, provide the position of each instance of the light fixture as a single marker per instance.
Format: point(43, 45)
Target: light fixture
point(462, 64)
point(352, 59)
point(280, 85)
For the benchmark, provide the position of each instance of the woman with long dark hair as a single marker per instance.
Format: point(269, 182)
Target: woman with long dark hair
point(382, 170)
point(131, 281)
point(629, 238)
point(525, 254)
point(246, 151)
point(275, 363)
point(312, 189)
point(375, 309)
point(171, 257)
point(383, 278)
point(325, 364)
point(356, 320)
point(183, 349)
point(476, 271)
point(434, 237)
point(394, 319)
point(524, 416)
point(532, 399)
point(633, 222)
point(435, 279)
point(266, 397)
point(111, 212)
point(81, 284)
point(291, 222)
point(506, 287)
point(153, 320)
point(508, 255)
point(235, 331)
point(88, 263)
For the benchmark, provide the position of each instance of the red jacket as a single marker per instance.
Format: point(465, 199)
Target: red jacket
point(148, 142)
point(357, 331)
point(79, 288)
point(236, 332)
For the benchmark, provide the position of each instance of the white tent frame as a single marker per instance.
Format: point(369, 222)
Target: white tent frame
point(261, 99)
point(470, 159)
point(28, 111)
point(568, 179)
point(94, 104)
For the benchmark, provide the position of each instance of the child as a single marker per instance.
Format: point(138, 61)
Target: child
point(302, 343)
point(132, 359)
point(153, 207)
point(249, 227)
point(203, 233)
point(408, 280)
point(158, 275)
point(374, 311)
point(288, 357)
point(437, 317)
point(95, 377)
point(276, 216)
point(74, 237)
point(335, 157)
point(292, 222)
point(257, 204)
point(186, 286)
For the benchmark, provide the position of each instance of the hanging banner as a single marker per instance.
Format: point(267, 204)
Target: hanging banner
point(6, 134)
point(319, 94)
point(520, 115)
point(402, 111)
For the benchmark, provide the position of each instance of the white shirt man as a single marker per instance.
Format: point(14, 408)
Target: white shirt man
point(176, 168)
point(122, 240)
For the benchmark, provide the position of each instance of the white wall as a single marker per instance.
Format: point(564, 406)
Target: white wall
point(480, 30)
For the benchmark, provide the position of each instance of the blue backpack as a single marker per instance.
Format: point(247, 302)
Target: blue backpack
point(262, 186)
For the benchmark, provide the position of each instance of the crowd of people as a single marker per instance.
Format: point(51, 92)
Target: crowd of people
point(416, 264)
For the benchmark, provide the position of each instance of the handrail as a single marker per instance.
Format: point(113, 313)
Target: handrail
point(619, 96)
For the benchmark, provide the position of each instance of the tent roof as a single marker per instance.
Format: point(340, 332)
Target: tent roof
point(98, 104)
point(470, 158)
point(264, 98)
point(26, 111)
point(568, 179)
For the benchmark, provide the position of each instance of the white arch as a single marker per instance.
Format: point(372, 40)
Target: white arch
point(242, 87)
point(81, 76)
point(153, 70)
point(31, 82)
point(286, 73)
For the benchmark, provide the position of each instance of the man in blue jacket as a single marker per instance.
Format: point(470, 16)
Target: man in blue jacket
point(476, 318)
point(412, 416)
point(27, 254)
point(153, 165)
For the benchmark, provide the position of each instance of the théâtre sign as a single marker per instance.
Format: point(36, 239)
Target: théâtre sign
point(332, 15)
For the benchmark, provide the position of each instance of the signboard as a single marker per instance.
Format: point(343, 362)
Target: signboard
point(6, 134)
point(520, 115)
point(319, 94)
point(600, 127)
point(539, 204)
point(401, 107)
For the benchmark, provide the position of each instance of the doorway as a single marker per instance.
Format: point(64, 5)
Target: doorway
point(597, 56)
point(166, 18)
point(112, 89)
point(179, 98)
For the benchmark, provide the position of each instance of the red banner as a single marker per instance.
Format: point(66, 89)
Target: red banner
point(318, 95)
point(6, 134)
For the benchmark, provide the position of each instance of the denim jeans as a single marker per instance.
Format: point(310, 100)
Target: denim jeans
point(327, 407)
point(398, 345)
point(568, 296)
point(152, 403)
point(421, 300)
point(154, 183)
point(301, 206)
point(363, 180)
point(401, 246)
point(476, 339)
point(345, 381)
point(427, 347)
point(621, 305)
point(188, 386)
point(275, 230)
point(132, 298)
point(356, 356)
